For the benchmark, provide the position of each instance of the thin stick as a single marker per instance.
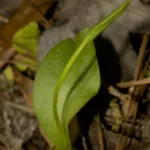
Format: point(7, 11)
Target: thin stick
point(3, 19)
point(129, 113)
point(117, 94)
point(19, 107)
point(6, 56)
point(100, 133)
point(84, 143)
point(134, 83)
point(141, 56)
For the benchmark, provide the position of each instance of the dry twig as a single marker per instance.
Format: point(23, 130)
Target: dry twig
point(141, 56)
point(100, 133)
point(3, 19)
point(18, 106)
point(134, 83)
point(7, 56)
point(117, 94)
point(131, 106)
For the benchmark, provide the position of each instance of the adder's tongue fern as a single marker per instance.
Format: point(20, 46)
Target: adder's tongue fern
point(91, 35)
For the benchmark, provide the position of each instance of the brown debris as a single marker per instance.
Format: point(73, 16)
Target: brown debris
point(25, 14)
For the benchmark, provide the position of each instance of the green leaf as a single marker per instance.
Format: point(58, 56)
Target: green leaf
point(67, 79)
point(81, 84)
point(25, 42)
point(25, 39)
point(44, 86)
point(23, 62)
point(87, 80)
point(9, 75)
